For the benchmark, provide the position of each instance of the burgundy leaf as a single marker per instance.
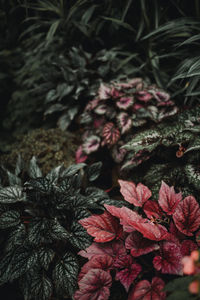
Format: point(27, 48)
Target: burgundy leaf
point(113, 249)
point(110, 134)
point(104, 92)
point(129, 272)
point(148, 229)
point(125, 102)
point(144, 290)
point(187, 216)
point(124, 121)
point(135, 195)
point(98, 122)
point(175, 232)
point(94, 285)
point(139, 245)
point(169, 260)
point(152, 209)
point(187, 246)
point(168, 199)
point(91, 144)
point(103, 262)
point(103, 228)
point(80, 155)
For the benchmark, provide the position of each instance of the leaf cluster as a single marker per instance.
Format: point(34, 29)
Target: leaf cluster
point(40, 230)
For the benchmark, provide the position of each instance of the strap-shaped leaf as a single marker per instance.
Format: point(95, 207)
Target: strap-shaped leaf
point(65, 274)
point(9, 219)
point(73, 169)
point(11, 194)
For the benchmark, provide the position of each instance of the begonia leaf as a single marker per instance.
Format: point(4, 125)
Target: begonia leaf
point(94, 285)
point(144, 290)
point(139, 245)
point(136, 195)
point(152, 209)
point(169, 259)
point(103, 228)
point(187, 216)
point(149, 230)
point(168, 199)
point(103, 262)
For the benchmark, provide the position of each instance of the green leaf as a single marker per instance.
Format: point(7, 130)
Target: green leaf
point(34, 170)
point(46, 255)
point(16, 237)
point(9, 219)
point(180, 295)
point(120, 23)
point(65, 274)
point(94, 171)
point(41, 287)
point(73, 169)
point(79, 236)
point(178, 283)
point(11, 194)
point(58, 232)
point(147, 140)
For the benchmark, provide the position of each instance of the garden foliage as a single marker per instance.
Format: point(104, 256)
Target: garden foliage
point(133, 245)
point(40, 232)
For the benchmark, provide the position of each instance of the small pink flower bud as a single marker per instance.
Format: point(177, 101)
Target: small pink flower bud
point(188, 265)
point(195, 255)
point(194, 287)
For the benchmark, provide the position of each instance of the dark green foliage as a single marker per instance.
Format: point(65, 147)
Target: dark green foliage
point(178, 289)
point(173, 147)
point(40, 229)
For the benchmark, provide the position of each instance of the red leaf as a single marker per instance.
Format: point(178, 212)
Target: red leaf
point(125, 102)
point(139, 245)
point(135, 195)
point(80, 155)
point(168, 199)
point(129, 218)
point(130, 270)
point(144, 290)
point(152, 209)
point(187, 216)
point(103, 262)
point(175, 232)
point(94, 285)
point(169, 260)
point(113, 249)
point(110, 134)
point(187, 247)
point(103, 228)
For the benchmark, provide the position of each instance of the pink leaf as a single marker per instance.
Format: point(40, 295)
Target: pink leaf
point(80, 155)
point(92, 104)
point(91, 144)
point(125, 102)
point(187, 216)
point(135, 195)
point(113, 249)
point(144, 290)
point(175, 232)
point(168, 199)
point(103, 228)
point(152, 209)
point(187, 246)
point(94, 285)
point(169, 260)
point(144, 96)
point(110, 134)
point(129, 272)
point(148, 229)
point(104, 92)
point(124, 121)
point(103, 262)
point(139, 245)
